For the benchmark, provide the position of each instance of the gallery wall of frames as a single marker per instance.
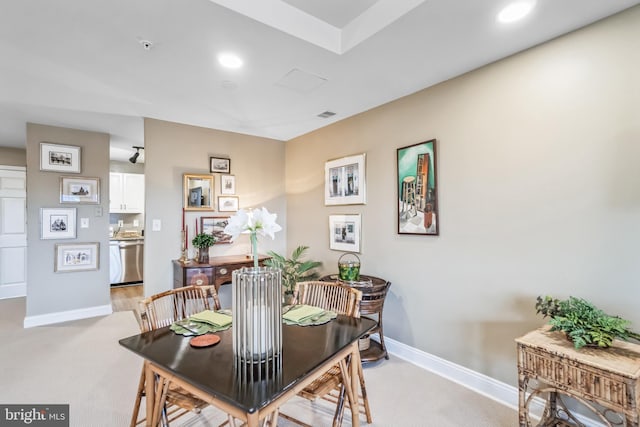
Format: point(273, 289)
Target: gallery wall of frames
point(60, 222)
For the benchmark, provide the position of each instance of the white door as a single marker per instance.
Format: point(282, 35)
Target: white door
point(13, 232)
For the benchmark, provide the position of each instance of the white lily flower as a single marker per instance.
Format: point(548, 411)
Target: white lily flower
point(258, 221)
point(264, 223)
point(237, 224)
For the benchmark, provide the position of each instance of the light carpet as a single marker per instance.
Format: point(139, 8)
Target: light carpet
point(82, 364)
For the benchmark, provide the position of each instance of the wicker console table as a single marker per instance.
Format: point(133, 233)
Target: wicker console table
point(550, 367)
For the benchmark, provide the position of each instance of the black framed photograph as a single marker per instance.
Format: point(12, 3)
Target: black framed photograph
point(227, 184)
point(57, 223)
point(59, 158)
point(418, 189)
point(80, 190)
point(71, 257)
point(215, 225)
point(219, 165)
point(345, 181)
point(344, 232)
point(228, 203)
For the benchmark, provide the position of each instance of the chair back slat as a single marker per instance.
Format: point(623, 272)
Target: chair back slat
point(330, 296)
point(163, 309)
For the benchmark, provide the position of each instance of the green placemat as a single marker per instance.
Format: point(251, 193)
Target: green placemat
point(305, 315)
point(207, 322)
point(302, 312)
point(215, 318)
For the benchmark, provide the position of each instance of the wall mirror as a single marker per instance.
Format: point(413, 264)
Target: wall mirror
point(198, 192)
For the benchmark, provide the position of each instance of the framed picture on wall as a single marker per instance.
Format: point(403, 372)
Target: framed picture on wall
point(57, 223)
point(197, 192)
point(227, 184)
point(345, 181)
point(344, 232)
point(80, 190)
point(228, 203)
point(59, 158)
point(215, 225)
point(71, 257)
point(219, 165)
point(418, 189)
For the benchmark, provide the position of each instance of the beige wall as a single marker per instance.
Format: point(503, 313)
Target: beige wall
point(539, 192)
point(49, 292)
point(13, 156)
point(173, 149)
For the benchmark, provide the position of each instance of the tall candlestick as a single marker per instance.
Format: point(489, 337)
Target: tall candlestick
point(186, 237)
point(196, 226)
point(182, 219)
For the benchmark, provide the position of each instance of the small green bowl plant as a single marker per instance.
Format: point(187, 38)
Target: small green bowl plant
point(203, 240)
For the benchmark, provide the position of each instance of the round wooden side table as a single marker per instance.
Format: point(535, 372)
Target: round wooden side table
point(372, 303)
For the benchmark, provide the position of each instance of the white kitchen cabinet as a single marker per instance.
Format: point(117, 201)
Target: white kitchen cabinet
point(126, 192)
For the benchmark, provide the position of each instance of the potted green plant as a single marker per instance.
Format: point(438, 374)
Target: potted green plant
point(294, 269)
point(203, 242)
point(583, 323)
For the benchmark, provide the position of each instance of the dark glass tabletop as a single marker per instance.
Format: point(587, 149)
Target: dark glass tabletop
point(214, 370)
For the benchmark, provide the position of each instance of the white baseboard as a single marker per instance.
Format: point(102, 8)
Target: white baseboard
point(13, 291)
point(480, 383)
point(65, 316)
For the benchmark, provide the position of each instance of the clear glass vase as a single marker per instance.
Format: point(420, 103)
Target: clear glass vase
point(257, 314)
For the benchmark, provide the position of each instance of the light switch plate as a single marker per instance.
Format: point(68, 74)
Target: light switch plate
point(84, 222)
point(120, 223)
point(156, 225)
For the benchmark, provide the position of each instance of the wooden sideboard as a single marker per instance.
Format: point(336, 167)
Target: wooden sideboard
point(217, 272)
point(549, 367)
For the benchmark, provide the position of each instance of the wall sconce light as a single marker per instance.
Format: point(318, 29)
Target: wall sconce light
point(134, 158)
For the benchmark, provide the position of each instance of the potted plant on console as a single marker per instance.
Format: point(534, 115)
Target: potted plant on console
point(583, 323)
point(294, 270)
point(203, 242)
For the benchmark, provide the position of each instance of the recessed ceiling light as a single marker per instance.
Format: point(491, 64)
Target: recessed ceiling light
point(516, 11)
point(229, 60)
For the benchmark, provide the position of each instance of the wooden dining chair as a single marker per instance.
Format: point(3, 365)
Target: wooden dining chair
point(162, 310)
point(343, 300)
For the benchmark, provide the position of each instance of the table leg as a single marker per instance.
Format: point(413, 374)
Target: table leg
point(350, 381)
point(253, 420)
point(150, 392)
point(355, 382)
point(522, 387)
point(363, 390)
point(553, 405)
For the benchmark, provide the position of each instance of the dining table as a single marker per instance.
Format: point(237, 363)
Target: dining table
point(249, 392)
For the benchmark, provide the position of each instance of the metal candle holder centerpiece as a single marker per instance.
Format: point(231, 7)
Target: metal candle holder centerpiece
point(257, 314)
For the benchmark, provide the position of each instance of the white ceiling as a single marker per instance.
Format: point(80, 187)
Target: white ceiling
point(81, 64)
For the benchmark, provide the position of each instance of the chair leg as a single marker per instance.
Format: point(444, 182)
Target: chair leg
point(136, 407)
point(337, 417)
point(363, 391)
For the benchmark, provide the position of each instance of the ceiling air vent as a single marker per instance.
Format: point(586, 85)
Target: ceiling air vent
point(326, 114)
